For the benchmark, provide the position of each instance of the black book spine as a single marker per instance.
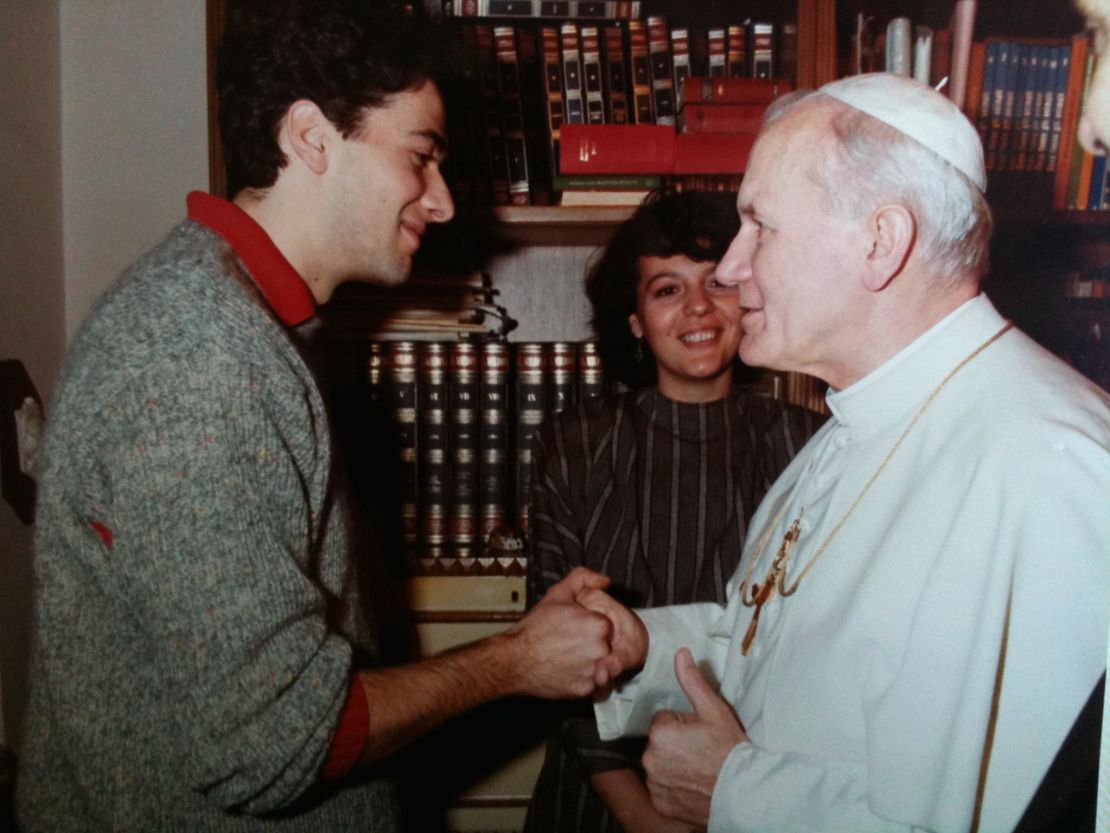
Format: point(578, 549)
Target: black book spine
point(533, 99)
point(562, 360)
point(494, 124)
point(463, 441)
point(477, 138)
point(591, 75)
point(512, 113)
point(432, 445)
point(553, 86)
point(641, 72)
point(400, 362)
point(531, 401)
point(616, 75)
point(493, 449)
point(572, 74)
point(591, 378)
point(662, 70)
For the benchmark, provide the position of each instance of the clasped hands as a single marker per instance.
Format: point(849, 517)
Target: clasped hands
point(587, 640)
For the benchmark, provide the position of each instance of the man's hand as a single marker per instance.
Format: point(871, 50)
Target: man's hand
point(575, 582)
point(629, 642)
point(685, 752)
point(556, 649)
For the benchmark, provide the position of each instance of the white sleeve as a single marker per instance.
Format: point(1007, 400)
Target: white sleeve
point(628, 708)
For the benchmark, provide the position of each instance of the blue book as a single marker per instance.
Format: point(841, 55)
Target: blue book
point(1056, 117)
point(986, 96)
point(1098, 184)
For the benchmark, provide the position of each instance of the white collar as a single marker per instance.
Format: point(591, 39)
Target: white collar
point(904, 381)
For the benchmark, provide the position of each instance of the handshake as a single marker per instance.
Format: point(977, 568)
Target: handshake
point(575, 640)
point(578, 639)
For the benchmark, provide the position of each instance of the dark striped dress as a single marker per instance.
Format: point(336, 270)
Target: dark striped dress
point(657, 494)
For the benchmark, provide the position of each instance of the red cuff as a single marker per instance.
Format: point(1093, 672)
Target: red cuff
point(350, 736)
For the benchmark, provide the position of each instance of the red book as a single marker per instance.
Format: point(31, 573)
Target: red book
point(700, 117)
point(712, 153)
point(617, 149)
point(735, 90)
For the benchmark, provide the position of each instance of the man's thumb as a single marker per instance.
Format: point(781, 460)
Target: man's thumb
point(700, 694)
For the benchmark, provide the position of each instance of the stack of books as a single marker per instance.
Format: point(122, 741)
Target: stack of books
point(427, 305)
point(532, 72)
point(452, 425)
point(717, 121)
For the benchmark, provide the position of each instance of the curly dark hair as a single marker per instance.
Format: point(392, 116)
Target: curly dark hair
point(345, 55)
point(699, 225)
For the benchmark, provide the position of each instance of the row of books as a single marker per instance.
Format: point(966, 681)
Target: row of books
point(458, 423)
point(523, 85)
point(937, 57)
point(1017, 96)
point(1081, 182)
point(597, 9)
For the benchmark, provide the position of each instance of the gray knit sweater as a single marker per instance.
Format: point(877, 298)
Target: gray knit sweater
point(192, 571)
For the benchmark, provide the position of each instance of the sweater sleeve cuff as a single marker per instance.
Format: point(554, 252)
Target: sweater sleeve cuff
point(350, 736)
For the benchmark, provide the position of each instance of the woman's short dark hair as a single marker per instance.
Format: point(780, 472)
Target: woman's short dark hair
point(346, 56)
point(699, 225)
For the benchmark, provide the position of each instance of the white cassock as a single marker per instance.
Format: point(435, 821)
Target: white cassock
point(976, 571)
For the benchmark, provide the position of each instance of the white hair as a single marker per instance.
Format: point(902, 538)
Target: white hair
point(872, 163)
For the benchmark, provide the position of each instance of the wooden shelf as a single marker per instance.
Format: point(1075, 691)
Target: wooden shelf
point(553, 225)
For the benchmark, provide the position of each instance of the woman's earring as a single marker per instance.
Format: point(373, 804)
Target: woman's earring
point(639, 351)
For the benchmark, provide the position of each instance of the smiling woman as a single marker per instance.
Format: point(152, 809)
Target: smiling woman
point(655, 486)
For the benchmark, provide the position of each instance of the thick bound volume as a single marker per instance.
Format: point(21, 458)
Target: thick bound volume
point(591, 76)
point(542, 8)
point(463, 442)
point(680, 54)
point(512, 113)
point(616, 76)
point(553, 90)
point(477, 139)
point(493, 442)
point(662, 70)
point(712, 153)
point(531, 403)
point(736, 51)
point(763, 50)
point(432, 446)
point(699, 117)
point(572, 74)
point(641, 72)
point(734, 90)
point(400, 365)
point(533, 99)
point(617, 149)
point(716, 48)
point(495, 131)
point(591, 379)
point(561, 363)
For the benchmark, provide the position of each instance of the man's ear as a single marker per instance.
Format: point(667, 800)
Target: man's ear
point(307, 134)
point(634, 325)
point(892, 232)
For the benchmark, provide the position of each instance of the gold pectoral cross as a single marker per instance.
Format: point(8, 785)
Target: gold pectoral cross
point(772, 582)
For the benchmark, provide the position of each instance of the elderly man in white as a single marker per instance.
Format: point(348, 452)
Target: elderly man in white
point(921, 608)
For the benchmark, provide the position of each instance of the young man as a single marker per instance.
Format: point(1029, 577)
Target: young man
point(202, 660)
point(921, 609)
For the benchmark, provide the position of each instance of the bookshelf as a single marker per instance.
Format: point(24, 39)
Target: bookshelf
point(537, 254)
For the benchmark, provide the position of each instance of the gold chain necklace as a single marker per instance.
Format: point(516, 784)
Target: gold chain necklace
point(757, 595)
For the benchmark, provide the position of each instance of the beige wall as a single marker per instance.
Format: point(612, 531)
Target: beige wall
point(103, 134)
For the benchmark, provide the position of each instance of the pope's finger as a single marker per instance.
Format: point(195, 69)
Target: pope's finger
point(698, 691)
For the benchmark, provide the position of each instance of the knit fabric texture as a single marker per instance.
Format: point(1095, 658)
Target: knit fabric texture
point(196, 615)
